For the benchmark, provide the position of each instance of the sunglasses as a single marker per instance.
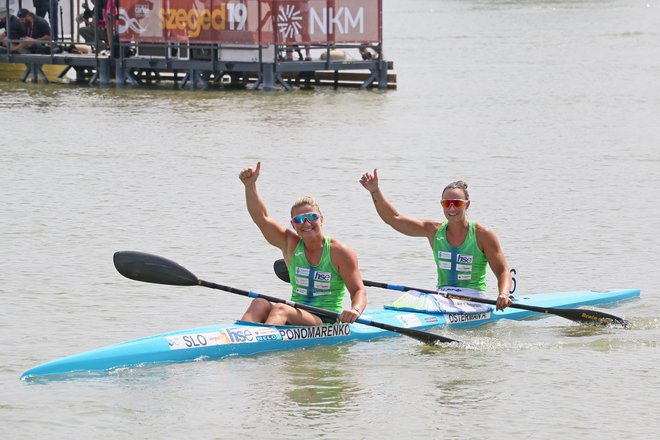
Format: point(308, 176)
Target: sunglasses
point(300, 218)
point(458, 203)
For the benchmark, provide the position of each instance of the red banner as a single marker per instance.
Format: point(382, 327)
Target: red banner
point(252, 22)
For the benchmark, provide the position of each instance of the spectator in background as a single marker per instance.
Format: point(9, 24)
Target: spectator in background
point(36, 28)
point(50, 7)
point(14, 30)
point(93, 28)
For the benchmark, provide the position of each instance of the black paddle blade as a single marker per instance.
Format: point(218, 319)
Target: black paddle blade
point(595, 317)
point(282, 272)
point(150, 268)
point(428, 338)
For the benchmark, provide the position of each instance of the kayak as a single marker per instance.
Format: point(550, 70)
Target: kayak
point(244, 338)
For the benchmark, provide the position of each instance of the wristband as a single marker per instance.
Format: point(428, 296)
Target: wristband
point(357, 310)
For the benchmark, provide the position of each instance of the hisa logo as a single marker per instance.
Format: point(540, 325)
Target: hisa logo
point(289, 21)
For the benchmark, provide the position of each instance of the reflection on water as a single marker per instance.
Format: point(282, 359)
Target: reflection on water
point(461, 393)
point(585, 330)
point(320, 382)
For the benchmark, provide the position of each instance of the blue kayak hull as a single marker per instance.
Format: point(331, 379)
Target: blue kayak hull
point(243, 338)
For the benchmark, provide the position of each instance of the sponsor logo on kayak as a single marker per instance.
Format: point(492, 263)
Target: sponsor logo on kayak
point(321, 331)
point(265, 334)
point(455, 318)
point(234, 335)
point(409, 320)
point(195, 340)
point(240, 335)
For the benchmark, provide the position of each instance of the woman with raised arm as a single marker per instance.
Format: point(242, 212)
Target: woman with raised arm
point(461, 248)
point(320, 268)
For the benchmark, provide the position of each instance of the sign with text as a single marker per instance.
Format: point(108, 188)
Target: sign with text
point(302, 22)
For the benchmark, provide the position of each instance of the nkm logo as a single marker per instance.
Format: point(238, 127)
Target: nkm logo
point(328, 21)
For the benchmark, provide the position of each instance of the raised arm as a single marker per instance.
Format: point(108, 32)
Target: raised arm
point(388, 213)
point(273, 232)
point(498, 264)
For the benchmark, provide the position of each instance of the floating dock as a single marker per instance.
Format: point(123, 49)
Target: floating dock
point(256, 44)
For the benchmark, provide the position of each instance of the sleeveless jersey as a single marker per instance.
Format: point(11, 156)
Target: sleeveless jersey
point(464, 266)
point(318, 286)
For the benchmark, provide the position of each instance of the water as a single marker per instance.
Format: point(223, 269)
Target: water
point(547, 108)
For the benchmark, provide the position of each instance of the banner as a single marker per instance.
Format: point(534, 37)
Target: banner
point(252, 22)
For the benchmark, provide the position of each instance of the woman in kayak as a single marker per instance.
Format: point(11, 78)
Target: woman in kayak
point(461, 248)
point(320, 268)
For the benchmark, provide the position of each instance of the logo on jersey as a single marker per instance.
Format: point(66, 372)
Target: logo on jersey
point(302, 281)
point(322, 276)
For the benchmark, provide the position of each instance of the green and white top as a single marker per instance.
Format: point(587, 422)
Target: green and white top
point(464, 266)
point(318, 286)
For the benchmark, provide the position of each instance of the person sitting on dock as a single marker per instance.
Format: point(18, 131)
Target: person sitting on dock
point(14, 30)
point(462, 249)
point(320, 268)
point(36, 28)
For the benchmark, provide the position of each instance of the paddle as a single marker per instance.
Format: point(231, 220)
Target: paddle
point(154, 269)
point(578, 315)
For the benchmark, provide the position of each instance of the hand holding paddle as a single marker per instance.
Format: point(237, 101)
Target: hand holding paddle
point(154, 269)
point(579, 315)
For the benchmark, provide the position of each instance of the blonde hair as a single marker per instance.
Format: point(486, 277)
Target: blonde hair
point(459, 184)
point(305, 200)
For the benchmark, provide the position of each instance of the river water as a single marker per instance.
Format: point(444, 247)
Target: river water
point(548, 109)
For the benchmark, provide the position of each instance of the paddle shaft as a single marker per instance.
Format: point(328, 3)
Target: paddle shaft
point(579, 315)
point(417, 334)
point(151, 268)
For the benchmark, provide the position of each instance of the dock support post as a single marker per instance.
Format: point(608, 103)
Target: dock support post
point(195, 78)
point(382, 74)
point(120, 74)
point(267, 79)
point(103, 72)
point(34, 71)
point(41, 73)
point(25, 73)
